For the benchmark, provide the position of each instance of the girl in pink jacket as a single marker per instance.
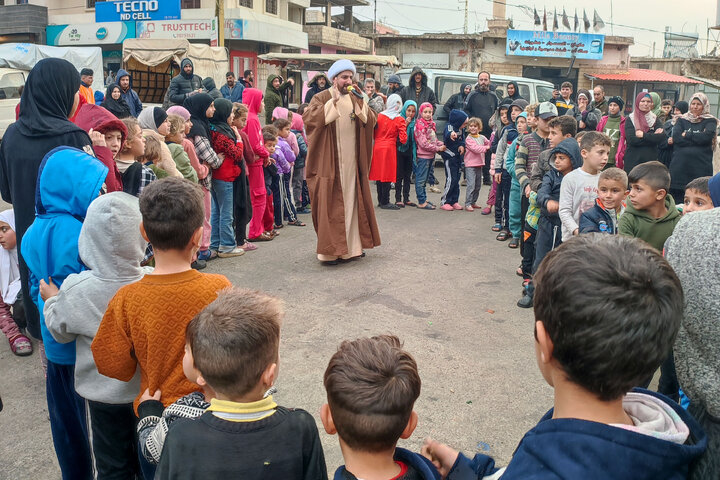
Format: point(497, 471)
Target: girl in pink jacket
point(427, 146)
point(475, 147)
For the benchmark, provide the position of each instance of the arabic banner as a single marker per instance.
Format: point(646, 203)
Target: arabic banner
point(555, 44)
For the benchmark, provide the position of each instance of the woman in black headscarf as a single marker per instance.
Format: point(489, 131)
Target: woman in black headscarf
point(50, 97)
point(665, 149)
point(115, 103)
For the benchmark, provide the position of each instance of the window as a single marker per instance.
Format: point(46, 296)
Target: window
point(190, 4)
point(10, 84)
point(245, 3)
point(90, 3)
point(271, 6)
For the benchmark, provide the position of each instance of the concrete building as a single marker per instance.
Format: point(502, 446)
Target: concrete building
point(23, 22)
point(329, 33)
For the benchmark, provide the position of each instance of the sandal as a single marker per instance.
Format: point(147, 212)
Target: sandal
point(400, 204)
point(519, 272)
point(514, 243)
point(248, 247)
point(428, 206)
point(21, 345)
point(296, 223)
point(410, 204)
point(278, 226)
point(497, 227)
point(504, 235)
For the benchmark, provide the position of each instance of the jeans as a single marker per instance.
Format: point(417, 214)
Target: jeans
point(549, 237)
point(527, 250)
point(668, 384)
point(68, 423)
point(404, 170)
point(502, 201)
point(516, 223)
point(297, 187)
point(113, 440)
point(473, 175)
point(451, 194)
point(221, 216)
point(421, 176)
point(431, 180)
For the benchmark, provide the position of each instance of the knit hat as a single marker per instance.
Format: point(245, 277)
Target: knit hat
point(546, 110)
point(618, 101)
point(340, 66)
point(159, 115)
point(520, 103)
point(178, 110)
point(86, 71)
point(714, 187)
point(683, 106)
point(394, 79)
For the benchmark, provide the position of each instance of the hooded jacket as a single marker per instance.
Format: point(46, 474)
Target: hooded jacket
point(314, 88)
point(425, 94)
point(183, 85)
point(600, 219)
point(663, 443)
point(50, 246)
point(129, 95)
point(516, 95)
point(118, 107)
point(655, 231)
point(457, 101)
point(46, 103)
point(75, 313)
point(97, 118)
point(234, 95)
point(252, 97)
point(273, 96)
point(422, 468)
point(550, 187)
point(454, 124)
point(211, 88)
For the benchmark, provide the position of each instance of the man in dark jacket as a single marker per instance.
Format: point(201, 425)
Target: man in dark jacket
point(394, 85)
point(247, 79)
point(274, 94)
point(210, 87)
point(232, 90)
point(318, 83)
point(127, 93)
point(482, 103)
point(417, 89)
point(185, 84)
point(457, 101)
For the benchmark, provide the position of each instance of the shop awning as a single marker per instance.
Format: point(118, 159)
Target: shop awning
point(311, 61)
point(641, 75)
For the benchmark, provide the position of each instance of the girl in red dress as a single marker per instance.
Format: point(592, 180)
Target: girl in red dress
point(383, 169)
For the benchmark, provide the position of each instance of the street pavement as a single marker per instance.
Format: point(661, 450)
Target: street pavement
point(440, 281)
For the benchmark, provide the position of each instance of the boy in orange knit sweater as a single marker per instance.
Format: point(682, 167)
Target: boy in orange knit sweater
point(145, 321)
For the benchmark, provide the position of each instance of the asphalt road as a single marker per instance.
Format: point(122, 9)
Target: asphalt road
point(440, 281)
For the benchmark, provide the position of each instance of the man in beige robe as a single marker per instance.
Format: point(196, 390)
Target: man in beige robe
point(339, 127)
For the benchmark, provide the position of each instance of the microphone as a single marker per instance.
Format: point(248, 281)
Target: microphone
point(352, 90)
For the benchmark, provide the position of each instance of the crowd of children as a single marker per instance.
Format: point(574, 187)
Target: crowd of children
point(130, 395)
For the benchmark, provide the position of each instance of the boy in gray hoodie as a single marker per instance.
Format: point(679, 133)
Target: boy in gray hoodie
point(111, 247)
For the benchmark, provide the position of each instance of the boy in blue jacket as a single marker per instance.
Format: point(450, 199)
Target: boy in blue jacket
point(454, 139)
point(68, 180)
point(372, 385)
point(610, 204)
point(594, 341)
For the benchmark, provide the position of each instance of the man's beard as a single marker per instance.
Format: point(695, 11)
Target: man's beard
point(484, 88)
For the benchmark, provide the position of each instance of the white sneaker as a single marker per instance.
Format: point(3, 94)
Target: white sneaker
point(235, 252)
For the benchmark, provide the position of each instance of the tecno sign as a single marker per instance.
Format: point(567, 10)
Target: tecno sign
point(117, 11)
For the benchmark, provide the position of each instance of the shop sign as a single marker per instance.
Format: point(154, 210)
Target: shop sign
point(134, 10)
point(176, 29)
point(531, 43)
point(426, 60)
point(89, 33)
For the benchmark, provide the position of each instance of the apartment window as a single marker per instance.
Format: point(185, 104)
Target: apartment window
point(271, 6)
point(246, 3)
point(20, 2)
point(90, 3)
point(190, 4)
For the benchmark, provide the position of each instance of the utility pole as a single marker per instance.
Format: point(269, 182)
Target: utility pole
point(465, 27)
point(375, 17)
point(220, 13)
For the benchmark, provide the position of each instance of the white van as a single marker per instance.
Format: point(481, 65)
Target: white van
point(11, 80)
point(446, 83)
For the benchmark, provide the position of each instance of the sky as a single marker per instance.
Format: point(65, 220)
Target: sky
point(643, 20)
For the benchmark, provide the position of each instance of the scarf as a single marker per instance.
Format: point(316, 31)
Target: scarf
point(48, 98)
point(410, 127)
point(702, 98)
point(394, 105)
point(657, 104)
point(197, 105)
point(642, 121)
point(422, 125)
point(298, 125)
point(118, 107)
point(218, 123)
point(151, 118)
point(280, 112)
point(9, 272)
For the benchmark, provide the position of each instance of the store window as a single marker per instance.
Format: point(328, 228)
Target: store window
point(245, 3)
point(190, 4)
point(271, 6)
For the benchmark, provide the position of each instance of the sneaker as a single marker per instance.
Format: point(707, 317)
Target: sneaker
point(476, 207)
point(486, 211)
point(435, 189)
point(198, 264)
point(525, 302)
point(469, 209)
point(447, 207)
point(457, 206)
point(389, 206)
point(235, 252)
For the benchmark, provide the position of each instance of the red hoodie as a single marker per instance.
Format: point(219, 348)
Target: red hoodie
point(252, 97)
point(91, 116)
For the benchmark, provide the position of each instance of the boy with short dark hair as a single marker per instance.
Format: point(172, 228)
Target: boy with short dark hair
point(610, 204)
point(579, 187)
point(144, 322)
point(697, 196)
point(600, 427)
point(559, 128)
point(372, 385)
point(651, 215)
point(234, 343)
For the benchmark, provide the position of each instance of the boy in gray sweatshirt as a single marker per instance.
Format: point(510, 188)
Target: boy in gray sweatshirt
point(111, 247)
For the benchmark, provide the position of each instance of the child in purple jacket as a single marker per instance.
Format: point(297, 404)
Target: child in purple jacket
point(285, 159)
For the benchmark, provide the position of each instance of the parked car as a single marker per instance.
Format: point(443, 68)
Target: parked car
point(11, 80)
point(446, 83)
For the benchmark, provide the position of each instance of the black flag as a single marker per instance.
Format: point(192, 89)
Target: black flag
point(577, 22)
point(555, 21)
point(586, 21)
point(536, 17)
point(598, 23)
point(565, 21)
point(544, 19)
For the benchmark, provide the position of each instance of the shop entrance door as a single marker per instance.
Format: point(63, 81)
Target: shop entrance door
point(554, 75)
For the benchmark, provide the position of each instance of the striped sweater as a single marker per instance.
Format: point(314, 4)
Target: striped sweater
point(527, 155)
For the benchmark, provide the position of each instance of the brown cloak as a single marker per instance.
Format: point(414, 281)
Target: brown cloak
point(323, 178)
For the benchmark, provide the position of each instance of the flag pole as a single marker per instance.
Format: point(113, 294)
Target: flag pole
point(612, 27)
